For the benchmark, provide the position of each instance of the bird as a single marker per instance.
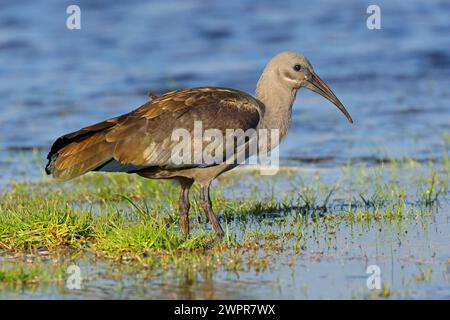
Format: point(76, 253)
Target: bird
point(141, 141)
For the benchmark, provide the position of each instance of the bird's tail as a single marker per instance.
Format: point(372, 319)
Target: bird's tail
point(81, 151)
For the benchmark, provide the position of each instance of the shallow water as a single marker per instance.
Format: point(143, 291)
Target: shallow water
point(393, 81)
point(413, 255)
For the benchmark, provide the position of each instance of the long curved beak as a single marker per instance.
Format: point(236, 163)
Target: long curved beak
point(318, 86)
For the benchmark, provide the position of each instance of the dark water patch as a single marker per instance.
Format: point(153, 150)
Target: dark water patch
point(277, 38)
point(155, 91)
point(12, 22)
point(411, 110)
point(26, 148)
point(436, 58)
point(11, 45)
point(214, 34)
point(311, 160)
point(107, 41)
point(34, 102)
point(184, 77)
point(334, 161)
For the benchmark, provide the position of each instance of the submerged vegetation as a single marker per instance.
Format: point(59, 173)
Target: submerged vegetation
point(130, 223)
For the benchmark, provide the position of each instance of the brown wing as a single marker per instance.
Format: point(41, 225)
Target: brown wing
point(143, 138)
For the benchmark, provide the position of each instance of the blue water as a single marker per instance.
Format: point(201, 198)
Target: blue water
point(394, 81)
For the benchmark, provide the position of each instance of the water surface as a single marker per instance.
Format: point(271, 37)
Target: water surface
point(393, 81)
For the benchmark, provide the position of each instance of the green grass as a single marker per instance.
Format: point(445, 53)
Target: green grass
point(35, 217)
point(118, 214)
point(127, 220)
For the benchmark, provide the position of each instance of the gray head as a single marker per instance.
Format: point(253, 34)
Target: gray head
point(293, 71)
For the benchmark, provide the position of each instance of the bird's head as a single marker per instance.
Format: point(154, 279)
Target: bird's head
point(294, 71)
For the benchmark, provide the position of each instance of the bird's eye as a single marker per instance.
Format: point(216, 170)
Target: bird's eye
point(297, 67)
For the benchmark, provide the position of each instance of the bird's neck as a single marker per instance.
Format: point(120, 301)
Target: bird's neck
point(278, 101)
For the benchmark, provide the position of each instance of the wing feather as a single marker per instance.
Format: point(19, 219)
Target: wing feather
point(143, 138)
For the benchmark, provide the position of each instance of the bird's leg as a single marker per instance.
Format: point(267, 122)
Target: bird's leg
point(184, 205)
point(205, 202)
